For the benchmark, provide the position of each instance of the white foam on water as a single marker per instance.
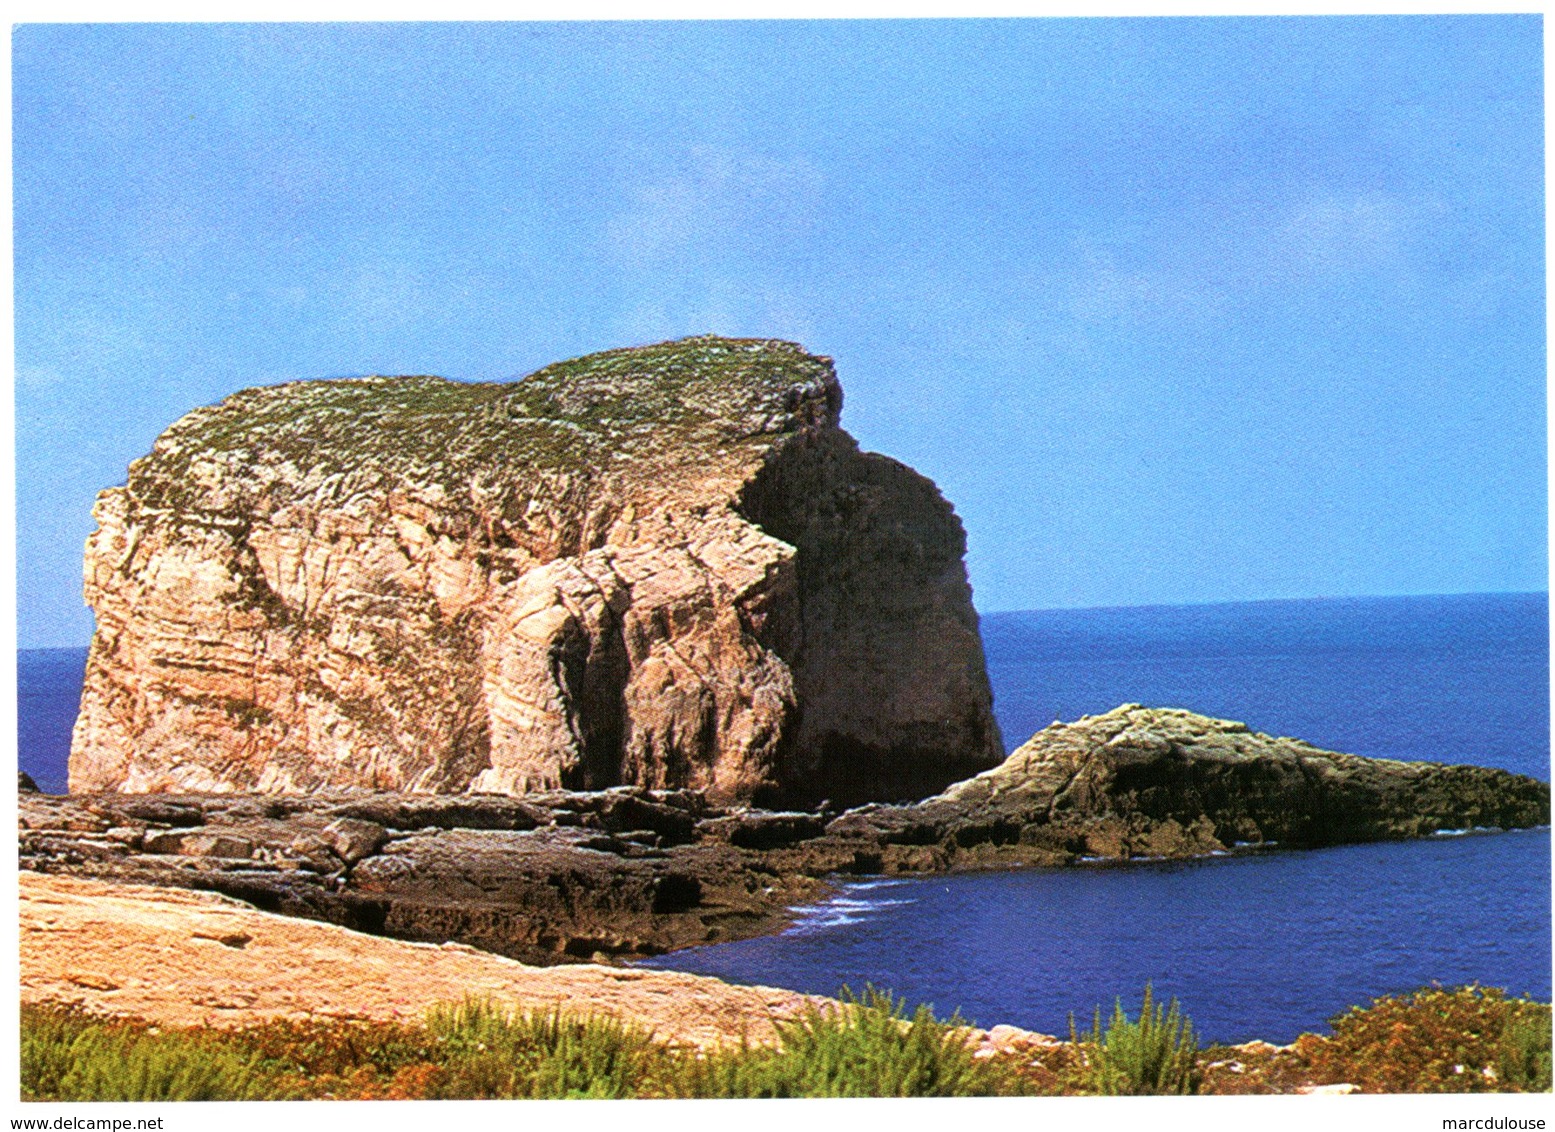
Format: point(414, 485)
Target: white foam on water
point(848, 907)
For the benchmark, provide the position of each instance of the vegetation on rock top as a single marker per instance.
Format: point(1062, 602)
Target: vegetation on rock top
point(697, 399)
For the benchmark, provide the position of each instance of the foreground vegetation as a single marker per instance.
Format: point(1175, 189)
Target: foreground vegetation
point(1468, 1039)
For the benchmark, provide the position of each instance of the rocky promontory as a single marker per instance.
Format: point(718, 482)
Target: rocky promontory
point(1140, 782)
point(559, 876)
point(666, 567)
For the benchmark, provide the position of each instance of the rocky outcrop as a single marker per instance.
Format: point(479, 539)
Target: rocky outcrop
point(550, 878)
point(558, 876)
point(665, 566)
point(1142, 782)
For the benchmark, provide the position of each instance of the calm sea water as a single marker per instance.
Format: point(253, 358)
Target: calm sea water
point(1262, 946)
point(1254, 947)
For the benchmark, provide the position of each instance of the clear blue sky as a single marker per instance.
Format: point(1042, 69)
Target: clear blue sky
point(1173, 310)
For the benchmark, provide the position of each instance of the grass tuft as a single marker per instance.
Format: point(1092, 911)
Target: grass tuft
point(870, 1047)
point(1157, 1055)
point(492, 1052)
point(72, 1057)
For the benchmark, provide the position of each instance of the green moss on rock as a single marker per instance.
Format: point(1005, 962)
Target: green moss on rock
point(718, 402)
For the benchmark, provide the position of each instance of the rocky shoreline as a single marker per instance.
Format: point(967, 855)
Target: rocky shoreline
point(198, 961)
point(563, 876)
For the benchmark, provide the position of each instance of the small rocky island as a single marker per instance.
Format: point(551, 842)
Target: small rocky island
point(626, 656)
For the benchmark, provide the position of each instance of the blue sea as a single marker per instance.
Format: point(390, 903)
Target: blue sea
point(1264, 946)
point(48, 696)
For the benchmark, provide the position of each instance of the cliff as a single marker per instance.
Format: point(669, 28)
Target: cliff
point(666, 566)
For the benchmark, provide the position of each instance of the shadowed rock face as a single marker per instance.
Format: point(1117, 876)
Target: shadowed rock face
point(665, 566)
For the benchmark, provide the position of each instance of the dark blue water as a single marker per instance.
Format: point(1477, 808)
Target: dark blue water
point(48, 696)
point(1263, 946)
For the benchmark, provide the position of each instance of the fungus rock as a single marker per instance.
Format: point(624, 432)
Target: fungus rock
point(666, 567)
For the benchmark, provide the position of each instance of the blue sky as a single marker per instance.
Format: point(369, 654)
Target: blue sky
point(1173, 310)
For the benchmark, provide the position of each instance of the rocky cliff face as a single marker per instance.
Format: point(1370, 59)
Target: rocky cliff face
point(664, 566)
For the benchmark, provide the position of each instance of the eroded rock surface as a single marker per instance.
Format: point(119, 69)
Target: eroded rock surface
point(552, 878)
point(666, 566)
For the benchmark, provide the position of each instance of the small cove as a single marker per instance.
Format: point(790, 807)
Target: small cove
point(1259, 946)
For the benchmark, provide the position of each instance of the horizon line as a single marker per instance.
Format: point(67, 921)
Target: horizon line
point(1544, 593)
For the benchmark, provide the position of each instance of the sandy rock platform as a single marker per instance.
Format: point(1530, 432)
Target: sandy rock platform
point(190, 958)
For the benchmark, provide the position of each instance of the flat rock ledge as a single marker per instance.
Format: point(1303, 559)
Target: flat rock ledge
point(198, 959)
point(189, 959)
point(560, 876)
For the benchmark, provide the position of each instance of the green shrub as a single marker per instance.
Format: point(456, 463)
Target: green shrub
point(867, 1048)
point(1523, 1054)
point(1461, 1040)
point(1155, 1056)
point(490, 1052)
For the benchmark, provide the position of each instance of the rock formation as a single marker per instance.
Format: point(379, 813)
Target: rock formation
point(550, 878)
point(560, 876)
point(1162, 782)
point(187, 959)
point(664, 566)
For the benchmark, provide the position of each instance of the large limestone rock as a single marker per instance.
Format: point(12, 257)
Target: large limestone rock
point(664, 566)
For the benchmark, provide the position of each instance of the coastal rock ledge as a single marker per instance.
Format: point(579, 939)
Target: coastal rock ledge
point(560, 876)
point(665, 567)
